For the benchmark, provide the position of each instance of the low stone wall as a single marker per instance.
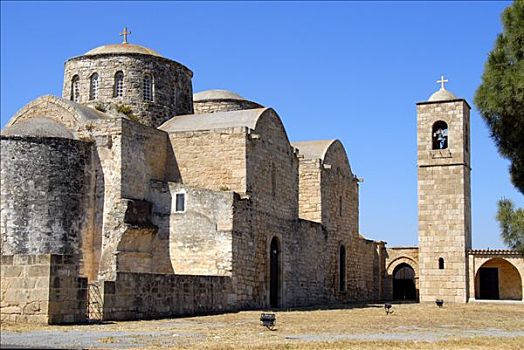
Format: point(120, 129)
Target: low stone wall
point(25, 288)
point(135, 296)
point(42, 289)
point(67, 291)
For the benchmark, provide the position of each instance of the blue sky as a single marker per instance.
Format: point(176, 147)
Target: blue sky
point(346, 70)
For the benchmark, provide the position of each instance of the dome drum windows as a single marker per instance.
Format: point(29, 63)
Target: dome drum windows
point(147, 88)
point(439, 135)
point(94, 86)
point(118, 90)
point(75, 88)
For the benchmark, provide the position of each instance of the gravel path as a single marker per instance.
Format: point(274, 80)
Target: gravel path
point(80, 339)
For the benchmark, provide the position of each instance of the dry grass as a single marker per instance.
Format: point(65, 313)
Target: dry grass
point(411, 326)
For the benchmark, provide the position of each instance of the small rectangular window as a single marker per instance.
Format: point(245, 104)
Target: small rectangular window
point(180, 202)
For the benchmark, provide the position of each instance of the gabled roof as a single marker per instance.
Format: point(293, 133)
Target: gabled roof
point(80, 112)
point(40, 127)
point(313, 149)
point(219, 120)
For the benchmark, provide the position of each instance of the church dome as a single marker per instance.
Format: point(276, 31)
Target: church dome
point(442, 95)
point(151, 87)
point(217, 95)
point(211, 101)
point(122, 49)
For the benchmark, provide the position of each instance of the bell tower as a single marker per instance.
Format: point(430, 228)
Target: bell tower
point(444, 196)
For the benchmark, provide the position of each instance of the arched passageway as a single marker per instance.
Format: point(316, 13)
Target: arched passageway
point(498, 279)
point(404, 283)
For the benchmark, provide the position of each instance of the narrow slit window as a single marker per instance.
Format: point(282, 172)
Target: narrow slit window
point(441, 263)
point(148, 88)
point(340, 203)
point(173, 96)
point(75, 89)
point(94, 85)
point(119, 84)
point(342, 268)
point(273, 180)
point(180, 202)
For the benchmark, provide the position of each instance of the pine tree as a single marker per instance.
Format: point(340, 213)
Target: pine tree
point(500, 101)
point(500, 97)
point(511, 224)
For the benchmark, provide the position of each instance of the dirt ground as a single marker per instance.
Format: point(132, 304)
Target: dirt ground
point(410, 326)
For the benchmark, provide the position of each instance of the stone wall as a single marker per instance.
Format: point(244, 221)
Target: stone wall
point(45, 196)
point(146, 155)
point(444, 202)
point(214, 160)
point(109, 209)
point(272, 186)
point(365, 268)
point(128, 156)
point(309, 195)
point(328, 194)
point(311, 282)
point(212, 106)
point(396, 256)
point(42, 289)
point(25, 288)
point(200, 238)
point(272, 169)
point(135, 296)
point(339, 193)
point(172, 87)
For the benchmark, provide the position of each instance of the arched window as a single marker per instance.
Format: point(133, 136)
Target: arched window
point(441, 263)
point(440, 135)
point(147, 89)
point(93, 86)
point(75, 88)
point(342, 268)
point(119, 84)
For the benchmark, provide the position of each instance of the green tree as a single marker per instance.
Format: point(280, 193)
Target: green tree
point(500, 97)
point(511, 224)
point(500, 101)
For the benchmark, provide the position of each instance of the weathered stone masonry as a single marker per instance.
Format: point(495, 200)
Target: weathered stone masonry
point(186, 204)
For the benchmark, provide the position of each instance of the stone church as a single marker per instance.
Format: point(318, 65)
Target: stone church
point(130, 197)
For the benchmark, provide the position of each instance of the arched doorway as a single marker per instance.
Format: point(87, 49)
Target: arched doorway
point(274, 273)
point(498, 279)
point(404, 283)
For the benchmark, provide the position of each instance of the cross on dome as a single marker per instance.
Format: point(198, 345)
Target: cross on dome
point(441, 82)
point(124, 34)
